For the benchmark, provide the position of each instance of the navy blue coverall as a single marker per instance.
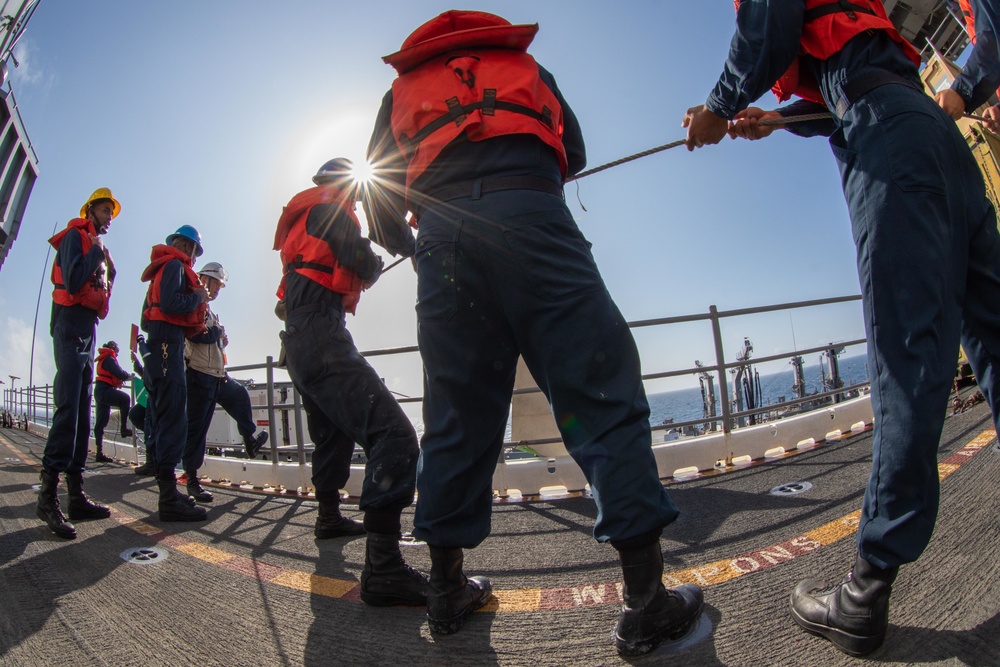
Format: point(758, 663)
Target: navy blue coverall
point(509, 273)
point(928, 251)
point(163, 372)
point(345, 400)
point(107, 397)
point(74, 332)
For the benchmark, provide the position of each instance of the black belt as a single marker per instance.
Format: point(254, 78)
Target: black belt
point(332, 302)
point(858, 88)
point(481, 186)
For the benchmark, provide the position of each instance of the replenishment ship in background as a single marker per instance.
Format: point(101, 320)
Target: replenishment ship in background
point(768, 465)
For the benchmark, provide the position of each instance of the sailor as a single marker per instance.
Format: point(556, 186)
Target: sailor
point(928, 257)
point(174, 309)
point(476, 140)
point(137, 415)
point(108, 394)
point(83, 273)
point(208, 384)
point(955, 100)
point(325, 265)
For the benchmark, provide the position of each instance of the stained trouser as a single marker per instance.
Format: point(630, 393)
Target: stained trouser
point(929, 267)
point(73, 349)
point(105, 398)
point(511, 274)
point(346, 402)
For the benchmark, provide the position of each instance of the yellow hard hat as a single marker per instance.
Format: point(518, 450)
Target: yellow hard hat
point(102, 193)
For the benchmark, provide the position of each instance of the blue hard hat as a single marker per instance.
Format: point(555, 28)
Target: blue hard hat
point(190, 233)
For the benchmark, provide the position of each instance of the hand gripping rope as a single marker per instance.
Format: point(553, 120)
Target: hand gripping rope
point(801, 118)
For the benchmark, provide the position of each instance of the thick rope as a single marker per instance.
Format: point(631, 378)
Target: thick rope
point(801, 118)
point(674, 144)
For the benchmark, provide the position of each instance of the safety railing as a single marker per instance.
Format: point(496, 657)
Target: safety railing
point(288, 454)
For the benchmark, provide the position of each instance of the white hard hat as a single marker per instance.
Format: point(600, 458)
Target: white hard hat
point(215, 270)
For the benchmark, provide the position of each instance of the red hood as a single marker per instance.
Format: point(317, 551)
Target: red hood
point(83, 224)
point(160, 255)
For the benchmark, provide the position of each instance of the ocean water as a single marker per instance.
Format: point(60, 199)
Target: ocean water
point(686, 404)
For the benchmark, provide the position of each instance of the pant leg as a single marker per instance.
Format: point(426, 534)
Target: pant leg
point(235, 400)
point(202, 390)
point(470, 360)
point(102, 408)
point(912, 262)
point(327, 368)
point(71, 393)
point(123, 402)
point(137, 417)
point(579, 349)
point(331, 461)
point(167, 387)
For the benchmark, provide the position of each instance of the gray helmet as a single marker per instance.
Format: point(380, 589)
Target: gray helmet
point(215, 270)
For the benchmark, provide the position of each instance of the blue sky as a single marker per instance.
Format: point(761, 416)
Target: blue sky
point(215, 113)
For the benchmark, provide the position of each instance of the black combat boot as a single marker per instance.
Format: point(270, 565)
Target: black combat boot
point(386, 579)
point(651, 614)
point(195, 489)
point(173, 506)
point(80, 506)
point(331, 523)
point(853, 614)
point(126, 431)
point(252, 444)
point(48, 507)
point(147, 469)
point(99, 456)
point(451, 596)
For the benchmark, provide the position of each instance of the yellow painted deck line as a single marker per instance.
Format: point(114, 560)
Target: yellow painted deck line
point(536, 599)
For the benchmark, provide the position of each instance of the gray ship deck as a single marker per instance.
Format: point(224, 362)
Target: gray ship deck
point(251, 586)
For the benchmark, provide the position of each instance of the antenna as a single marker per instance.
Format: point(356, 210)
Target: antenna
point(38, 302)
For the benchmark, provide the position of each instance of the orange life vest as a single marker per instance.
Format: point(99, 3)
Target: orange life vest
point(193, 323)
point(96, 292)
point(103, 375)
point(970, 19)
point(483, 93)
point(309, 256)
point(828, 26)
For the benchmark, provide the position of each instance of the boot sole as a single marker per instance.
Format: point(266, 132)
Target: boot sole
point(330, 534)
point(855, 645)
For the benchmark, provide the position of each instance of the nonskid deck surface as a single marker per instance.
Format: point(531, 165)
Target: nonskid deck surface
point(251, 586)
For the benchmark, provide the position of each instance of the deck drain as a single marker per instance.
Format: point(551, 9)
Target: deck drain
point(791, 489)
point(144, 555)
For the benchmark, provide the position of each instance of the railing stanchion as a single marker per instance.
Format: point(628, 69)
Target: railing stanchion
point(720, 360)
